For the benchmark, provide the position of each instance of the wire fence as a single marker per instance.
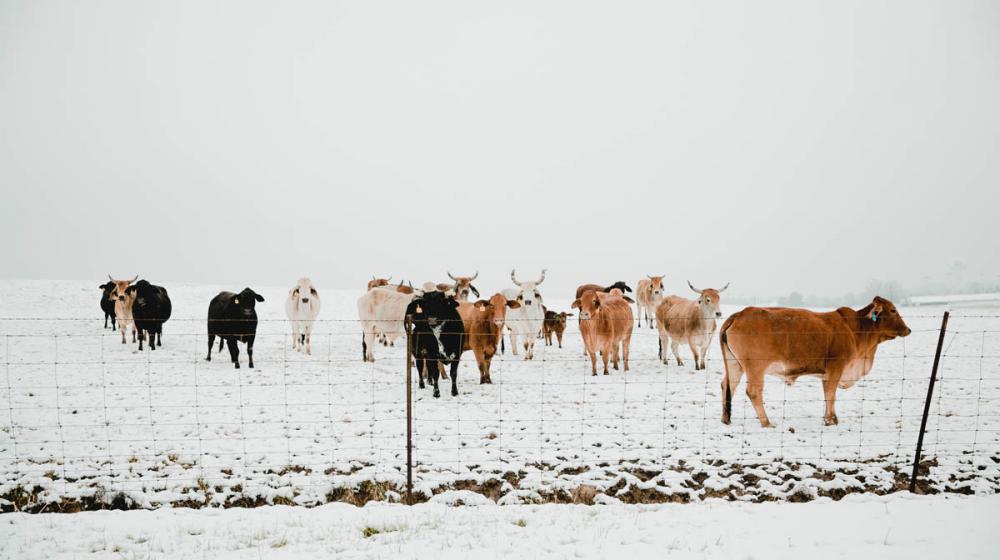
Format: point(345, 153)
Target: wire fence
point(92, 422)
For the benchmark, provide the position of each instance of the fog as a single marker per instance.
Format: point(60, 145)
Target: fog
point(778, 146)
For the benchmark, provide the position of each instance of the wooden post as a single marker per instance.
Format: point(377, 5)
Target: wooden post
point(927, 403)
point(409, 410)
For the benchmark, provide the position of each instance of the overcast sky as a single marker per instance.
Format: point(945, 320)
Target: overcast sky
point(775, 145)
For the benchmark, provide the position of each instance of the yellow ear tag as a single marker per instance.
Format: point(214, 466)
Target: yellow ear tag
point(236, 300)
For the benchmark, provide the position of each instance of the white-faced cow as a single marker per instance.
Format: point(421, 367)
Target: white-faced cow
point(648, 295)
point(382, 311)
point(302, 308)
point(682, 320)
point(123, 305)
point(526, 320)
point(837, 346)
point(605, 326)
point(462, 286)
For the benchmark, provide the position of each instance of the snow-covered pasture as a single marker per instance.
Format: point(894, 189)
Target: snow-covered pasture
point(86, 420)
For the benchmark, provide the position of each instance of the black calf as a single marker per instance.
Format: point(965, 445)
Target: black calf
point(233, 318)
point(108, 304)
point(150, 309)
point(437, 337)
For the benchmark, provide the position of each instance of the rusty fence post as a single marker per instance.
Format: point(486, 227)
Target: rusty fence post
point(409, 409)
point(927, 403)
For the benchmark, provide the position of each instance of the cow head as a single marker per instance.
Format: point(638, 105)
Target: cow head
point(106, 288)
point(708, 301)
point(655, 287)
point(529, 295)
point(497, 306)
point(883, 317)
point(247, 301)
point(620, 286)
point(427, 308)
point(119, 287)
point(463, 285)
point(407, 289)
point(303, 291)
point(376, 282)
point(588, 304)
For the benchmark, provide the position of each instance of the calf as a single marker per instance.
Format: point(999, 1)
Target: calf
point(438, 333)
point(108, 303)
point(526, 320)
point(150, 309)
point(123, 305)
point(605, 325)
point(554, 323)
point(302, 308)
point(484, 322)
point(233, 318)
point(680, 319)
point(837, 346)
point(648, 295)
point(597, 288)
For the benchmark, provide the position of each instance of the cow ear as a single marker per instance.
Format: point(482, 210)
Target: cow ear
point(258, 297)
point(876, 310)
point(576, 304)
point(628, 299)
point(474, 290)
point(568, 314)
point(513, 304)
point(313, 291)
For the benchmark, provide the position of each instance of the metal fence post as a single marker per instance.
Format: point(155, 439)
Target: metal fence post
point(927, 403)
point(409, 410)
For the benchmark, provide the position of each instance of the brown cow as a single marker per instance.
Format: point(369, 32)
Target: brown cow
point(123, 299)
point(484, 321)
point(680, 319)
point(376, 282)
point(648, 294)
point(605, 289)
point(407, 289)
point(838, 346)
point(554, 323)
point(605, 323)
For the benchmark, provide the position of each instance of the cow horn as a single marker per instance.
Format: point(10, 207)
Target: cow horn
point(410, 284)
point(722, 289)
point(693, 288)
point(512, 279)
point(134, 278)
point(389, 279)
point(474, 276)
point(373, 277)
point(452, 277)
point(542, 279)
point(110, 278)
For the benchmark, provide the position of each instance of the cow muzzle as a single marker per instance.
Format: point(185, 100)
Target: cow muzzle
point(121, 298)
point(498, 322)
point(718, 314)
point(305, 300)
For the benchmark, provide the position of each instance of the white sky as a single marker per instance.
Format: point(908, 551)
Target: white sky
point(777, 145)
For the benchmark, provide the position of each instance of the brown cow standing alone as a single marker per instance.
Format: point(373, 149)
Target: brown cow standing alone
point(483, 322)
point(555, 323)
point(605, 323)
point(838, 346)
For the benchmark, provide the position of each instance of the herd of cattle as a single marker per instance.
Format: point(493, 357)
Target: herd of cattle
point(837, 346)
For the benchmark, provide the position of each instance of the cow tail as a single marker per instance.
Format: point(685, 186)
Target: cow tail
point(364, 348)
point(503, 349)
point(727, 355)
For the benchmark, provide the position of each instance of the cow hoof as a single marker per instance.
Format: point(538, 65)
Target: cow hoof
point(437, 394)
point(766, 425)
point(454, 392)
point(726, 420)
point(237, 366)
point(830, 421)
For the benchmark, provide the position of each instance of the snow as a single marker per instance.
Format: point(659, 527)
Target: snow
point(85, 418)
point(900, 526)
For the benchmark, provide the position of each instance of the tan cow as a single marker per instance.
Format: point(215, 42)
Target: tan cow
point(680, 319)
point(123, 299)
point(648, 294)
point(605, 325)
point(461, 288)
point(837, 346)
point(555, 323)
point(484, 321)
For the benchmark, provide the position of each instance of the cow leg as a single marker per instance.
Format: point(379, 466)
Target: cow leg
point(513, 343)
point(433, 373)
point(705, 345)
point(105, 320)
point(159, 336)
point(755, 392)
point(454, 378)
point(122, 328)
point(614, 355)
point(142, 336)
point(221, 340)
point(674, 346)
point(664, 354)
point(295, 336)
point(308, 340)
point(443, 370)
point(593, 361)
point(489, 363)
point(626, 343)
point(481, 362)
point(134, 333)
point(234, 351)
point(250, 340)
point(604, 359)
point(559, 337)
point(830, 396)
point(529, 348)
point(421, 365)
point(152, 340)
point(694, 352)
point(211, 342)
point(367, 343)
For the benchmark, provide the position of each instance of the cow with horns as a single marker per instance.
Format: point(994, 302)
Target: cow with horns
point(528, 319)
point(602, 289)
point(682, 320)
point(462, 286)
point(648, 295)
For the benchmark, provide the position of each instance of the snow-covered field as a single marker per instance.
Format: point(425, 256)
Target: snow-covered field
point(86, 421)
point(901, 526)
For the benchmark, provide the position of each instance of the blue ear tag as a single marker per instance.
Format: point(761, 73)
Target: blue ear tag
point(874, 317)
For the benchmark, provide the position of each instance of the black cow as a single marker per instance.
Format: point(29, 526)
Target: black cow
point(150, 309)
point(233, 318)
point(108, 304)
point(437, 337)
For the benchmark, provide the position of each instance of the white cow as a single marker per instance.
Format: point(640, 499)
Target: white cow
point(528, 319)
point(382, 311)
point(302, 308)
